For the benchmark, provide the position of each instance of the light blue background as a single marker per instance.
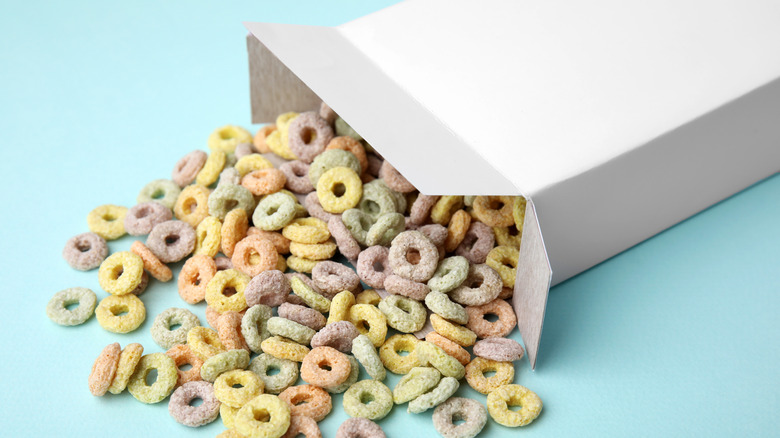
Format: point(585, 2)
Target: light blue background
point(678, 336)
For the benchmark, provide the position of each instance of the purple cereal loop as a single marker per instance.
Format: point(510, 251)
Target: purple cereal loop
point(85, 251)
point(223, 263)
point(269, 288)
point(400, 249)
point(348, 246)
point(142, 285)
point(302, 143)
point(297, 174)
point(302, 315)
point(171, 241)
point(359, 428)
point(142, 218)
point(244, 149)
point(327, 114)
point(312, 204)
point(401, 286)
point(333, 277)
point(338, 335)
point(194, 416)
point(421, 208)
point(369, 263)
point(187, 168)
point(374, 164)
point(436, 233)
point(394, 179)
point(499, 349)
point(478, 242)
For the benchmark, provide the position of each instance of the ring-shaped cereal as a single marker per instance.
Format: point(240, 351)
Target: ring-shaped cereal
point(449, 347)
point(499, 401)
point(385, 229)
point(194, 277)
point(228, 326)
point(194, 416)
point(499, 349)
point(221, 363)
point(456, 230)
point(222, 282)
point(443, 390)
point(477, 244)
point(277, 143)
point(252, 162)
point(478, 367)
point(228, 416)
point(283, 348)
point(456, 409)
point(109, 311)
point(234, 229)
point(163, 191)
point(301, 264)
point(161, 328)
point(128, 361)
point(377, 200)
point(303, 315)
point(358, 223)
point(325, 367)
point(339, 189)
point(187, 168)
point(403, 246)
point(297, 177)
point(171, 241)
point(369, 321)
point(259, 141)
point(394, 179)
point(494, 211)
point(417, 382)
point(353, 146)
point(308, 135)
point(313, 251)
point(225, 138)
point(142, 218)
point(151, 263)
point(265, 416)
point(306, 230)
point(204, 342)
point(192, 206)
point(421, 208)
point(253, 326)
point(333, 277)
point(390, 355)
point(347, 245)
point(373, 266)
point(309, 296)
point(330, 159)
point(365, 353)
point(274, 212)
point(339, 306)
point(370, 399)
point(286, 376)
point(57, 309)
point(445, 207)
point(166, 378)
point(307, 401)
point(506, 322)
point(508, 236)
point(312, 205)
point(104, 369)
point(456, 333)
point(253, 255)
point(436, 357)
point(264, 181)
point(504, 259)
point(359, 428)
point(107, 221)
point(338, 335)
point(489, 282)
point(270, 288)
point(403, 314)
point(182, 355)
point(227, 197)
point(208, 236)
point(209, 174)
point(85, 251)
point(398, 285)
point(354, 373)
point(302, 426)
point(368, 296)
point(237, 387)
point(450, 274)
point(441, 305)
point(299, 333)
point(281, 243)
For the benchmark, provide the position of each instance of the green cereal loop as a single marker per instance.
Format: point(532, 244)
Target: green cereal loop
point(468, 200)
point(164, 191)
point(450, 273)
point(370, 399)
point(358, 223)
point(365, 352)
point(398, 197)
point(274, 384)
point(167, 374)
point(444, 390)
point(253, 326)
point(161, 328)
point(417, 382)
point(328, 160)
point(441, 304)
point(377, 200)
point(307, 294)
point(274, 212)
point(344, 130)
point(290, 329)
point(385, 229)
point(223, 362)
point(57, 309)
point(433, 354)
point(403, 314)
point(227, 197)
point(354, 373)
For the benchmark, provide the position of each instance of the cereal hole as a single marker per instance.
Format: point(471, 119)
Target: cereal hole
point(513, 231)
point(261, 415)
point(108, 217)
point(405, 306)
point(490, 317)
point(197, 401)
point(185, 366)
point(71, 305)
point(118, 271)
point(254, 257)
point(230, 204)
point(174, 326)
point(339, 189)
point(225, 134)
point(402, 352)
point(514, 407)
point(190, 206)
point(308, 135)
point(372, 207)
point(457, 419)
point(170, 240)
point(158, 194)
point(366, 398)
point(151, 377)
point(272, 210)
point(325, 366)
point(272, 371)
point(229, 291)
point(119, 310)
point(488, 373)
point(379, 266)
point(237, 385)
point(413, 256)
point(83, 246)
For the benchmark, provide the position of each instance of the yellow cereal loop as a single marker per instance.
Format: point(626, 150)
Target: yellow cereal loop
point(283, 348)
point(120, 313)
point(250, 163)
point(192, 205)
point(479, 366)
point(504, 259)
point(340, 305)
point(128, 360)
point(307, 230)
point(368, 296)
point(309, 296)
point(107, 221)
point(234, 230)
point(518, 213)
point(228, 415)
point(227, 137)
point(208, 236)
point(278, 141)
point(444, 208)
point(390, 353)
point(499, 401)
point(339, 189)
point(265, 416)
point(210, 172)
point(313, 251)
point(204, 342)
point(121, 272)
point(435, 356)
point(236, 387)
point(508, 236)
point(300, 264)
point(225, 291)
point(370, 321)
point(455, 333)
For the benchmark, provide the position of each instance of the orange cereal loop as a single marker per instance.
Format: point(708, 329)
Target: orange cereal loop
point(456, 230)
point(264, 181)
point(182, 355)
point(192, 205)
point(307, 401)
point(194, 277)
point(494, 211)
point(229, 330)
point(253, 255)
point(234, 229)
point(204, 342)
point(281, 243)
point(259, 140)
point(152, 264)
point(104, 369)
point(212, 316)
point(349, 144)
point(444, 208)
point(449, 347)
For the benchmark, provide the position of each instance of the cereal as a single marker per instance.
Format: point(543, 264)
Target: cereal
point(188, 167)
point(445, 207)
point(339, 189)
point(444, 389)
point(253, 255)
point(449, 347)
point(504, 259)
point(354, 373)
point(331, 159)
point(385, 229)
point(370, 399)
point(264, 181)
point(477, 368)
point(220, 363)
point(309, 296)
point(499, 349)
point(327, 113)
point(489, 287)
point(390, 355)
point(313, 251)
point(508, 236)
point(477, 244)
point(456, 230)
point(192, 205)
point(421, 208)
point(359, 428)
point(109, 310)
point(306, 230)
point(228, 433)
point(182, 355)
point(104, 369)
point(450, 274)
point(85, 251)
point(274, 212)
point(251, 163)
point(244, 149)
point(210, 172)
point(163, 191)
point(369, 321)
point(403, 314)
point(286, 376)
point(343, 129)
point(408, 288)
point(308, 135)
point(162, 386)
point(441, 304)
point(358, 223)
point(107, 221)
point(307, 401)
point(325, 367)
point(208, 236)
point(57, 309)
point(223, 263)
point(219, 291)
point(151, 263)
point(228, 327)
point(347, 245)
point(433, 355)
point(369, 296)
point(339, 306)
point(161, 328)
point(499, 401)
point(120, 273)
point(302, 315)
point(418, 381)
point(470, 411)
point(265, 416)
point(194, 416)
point(333, 277)
point(237, 387)
point(377, 200)
point(290, 329)
point(142, 285)
point(195, 275)
point(282, 348)
point(228, 197)
point(128, 361)
point(142, 218)
point(269, 288)
point(312, 204)
point(259, 140)
point(204, 342)
point(300, 264)
point(228, 415)
point(338, 335)
point(281, 243)
point(226, 138)
point(353, 146)
point(410, 242)
point(253, 326)
point(365, 352)
point(486, 329)
point(171, 241)
point(494, 211)
point(394, 179)
point(305, 426)
point(373, 266)
point(277, 140)
point(456, 333)
point(296, 175)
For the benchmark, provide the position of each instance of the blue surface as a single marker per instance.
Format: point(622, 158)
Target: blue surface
point(677, 336)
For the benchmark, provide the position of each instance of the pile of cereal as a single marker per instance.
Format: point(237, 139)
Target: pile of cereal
point(439, 272)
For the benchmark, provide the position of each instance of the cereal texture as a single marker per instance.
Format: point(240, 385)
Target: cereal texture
point(85, 251)
point(128, 361)
point(443, 390)
point(368, 399)
point(263, 406)
point(194, 416)
point(57, 309)
point(104, 369)
point(286, 376)
point(470, 411)
point(220, 363)
point(166, 378)
point(499, 401)
point(161, 328)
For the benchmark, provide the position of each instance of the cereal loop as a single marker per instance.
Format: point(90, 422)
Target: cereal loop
point(368, 399)
point(194, 416)
point(237, 387)
point(162, 386)
point(282, 348)
point(163, 191)
point(195, 275)
point(308, 135)
point(104, 369)
point(486, 329)
point(265, 416)
point(477, 244)
point(488, 286)
point(287, 372)
point(226, 138)
point(499, 401)
point(444, 390)
point(208, 236)
point(152, 264)
point(57, 309)
point(228, 327)
point(110, 311)
point(394, 179)
point(456, 230)
point(339, 189)
point(369, 321)
point(504, 259)
point(494, 211)
point(128, 361)
point(192, 205)
point(161, 328)
point(85, 251)
point(183, 355)
point(211, 169)
point(325, 367)
point(410, 242)
point(449, 347)
point(254, 255)
point(225, 291)
point(390, 353)
point(338, 335)
point(353, 146)
point(477, 368)
point(264, 181)
point(307, 401)
point(417, 382)
point(259, 141)
point(359, 428)
point(204, 342)
point(470, 411)
point(339, 306)
point(445, 207)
